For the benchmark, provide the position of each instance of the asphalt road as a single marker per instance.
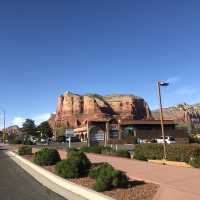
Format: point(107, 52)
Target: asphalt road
point(16, 184)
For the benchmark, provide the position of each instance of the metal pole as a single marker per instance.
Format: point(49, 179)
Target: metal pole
point(69, 142)
point(161, 120)
point(4, 124)
point(88, 134)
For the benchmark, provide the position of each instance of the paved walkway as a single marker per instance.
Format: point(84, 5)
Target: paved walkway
point(176, 183)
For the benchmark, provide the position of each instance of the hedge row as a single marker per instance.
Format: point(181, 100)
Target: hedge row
point(175, 152)
point(105, 151)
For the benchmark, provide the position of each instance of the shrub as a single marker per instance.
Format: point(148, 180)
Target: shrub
point(24, 150)
point(182, 152)
point(148, 151)
point(75, 166)
point(15, 141)
point(122, 153)
point(175, 152)
point(134, 140)
point(94, 172)
point(46, 156)
point(119, 179)
point(27, 142)
point(107, 177)
point(105, 150)
point(104, 178)
point(79, 156)
point(195, 162)
point(92, 149)
point(71, 149)
point(67, 169)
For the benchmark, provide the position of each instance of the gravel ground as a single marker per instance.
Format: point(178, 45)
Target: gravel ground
point(138, 190)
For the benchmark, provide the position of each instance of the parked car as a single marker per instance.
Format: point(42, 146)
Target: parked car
point(168, 140)
point(32, 139)
point(45, 140)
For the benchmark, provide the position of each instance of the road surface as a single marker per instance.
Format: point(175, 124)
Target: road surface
point(16, 184)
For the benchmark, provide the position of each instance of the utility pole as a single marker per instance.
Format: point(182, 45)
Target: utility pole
point(159, 83)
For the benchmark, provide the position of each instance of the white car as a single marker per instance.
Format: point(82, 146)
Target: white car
point(168, 140)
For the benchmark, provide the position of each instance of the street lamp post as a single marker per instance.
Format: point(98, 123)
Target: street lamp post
point(162, 83)
point(4, 124)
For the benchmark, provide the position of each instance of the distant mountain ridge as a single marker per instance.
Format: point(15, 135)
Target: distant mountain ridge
point(181, 113)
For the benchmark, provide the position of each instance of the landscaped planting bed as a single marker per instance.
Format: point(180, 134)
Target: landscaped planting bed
point(137, 191)
point(24, 150)
point(106, 179)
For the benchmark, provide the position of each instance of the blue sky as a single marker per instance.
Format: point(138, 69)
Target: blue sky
point(92, 46)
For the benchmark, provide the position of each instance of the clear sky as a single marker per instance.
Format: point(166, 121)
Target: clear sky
point(96, 46)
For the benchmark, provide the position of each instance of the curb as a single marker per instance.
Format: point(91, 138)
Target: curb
point(64, 188)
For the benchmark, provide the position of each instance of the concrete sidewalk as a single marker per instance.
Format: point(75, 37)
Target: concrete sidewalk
point(176, 183)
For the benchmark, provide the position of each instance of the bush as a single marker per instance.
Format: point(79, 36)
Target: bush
point(105, 150)
point(24, 150)
point(67, 169)
point(195, 162)
point(75, 166)
point(15, 141)
point(122, 153)
point(175, 152)
point(119, 179)
point(92, 149)
point(148, 151)
point(94, 172)
point(27, 142)
point(46, 157)
point(85, 163)
point(107, 177)
point(135, 140)
point(71, 149)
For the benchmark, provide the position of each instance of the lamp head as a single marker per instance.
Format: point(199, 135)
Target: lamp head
point(163, 83)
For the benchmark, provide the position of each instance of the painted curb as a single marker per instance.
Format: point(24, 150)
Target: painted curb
point(65, 188)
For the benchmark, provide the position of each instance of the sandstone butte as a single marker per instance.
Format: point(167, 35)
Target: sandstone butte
point(75, 110)
point(184, 114)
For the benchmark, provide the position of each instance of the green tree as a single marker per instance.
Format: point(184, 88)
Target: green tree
point(60, 131)
point(29, 128)
point(45, 130)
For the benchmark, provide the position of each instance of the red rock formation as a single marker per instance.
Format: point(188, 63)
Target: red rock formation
point(74, 110)
point(182, 113)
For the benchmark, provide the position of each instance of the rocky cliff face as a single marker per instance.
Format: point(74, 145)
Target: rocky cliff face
point(182, 113)
point(74, 110)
